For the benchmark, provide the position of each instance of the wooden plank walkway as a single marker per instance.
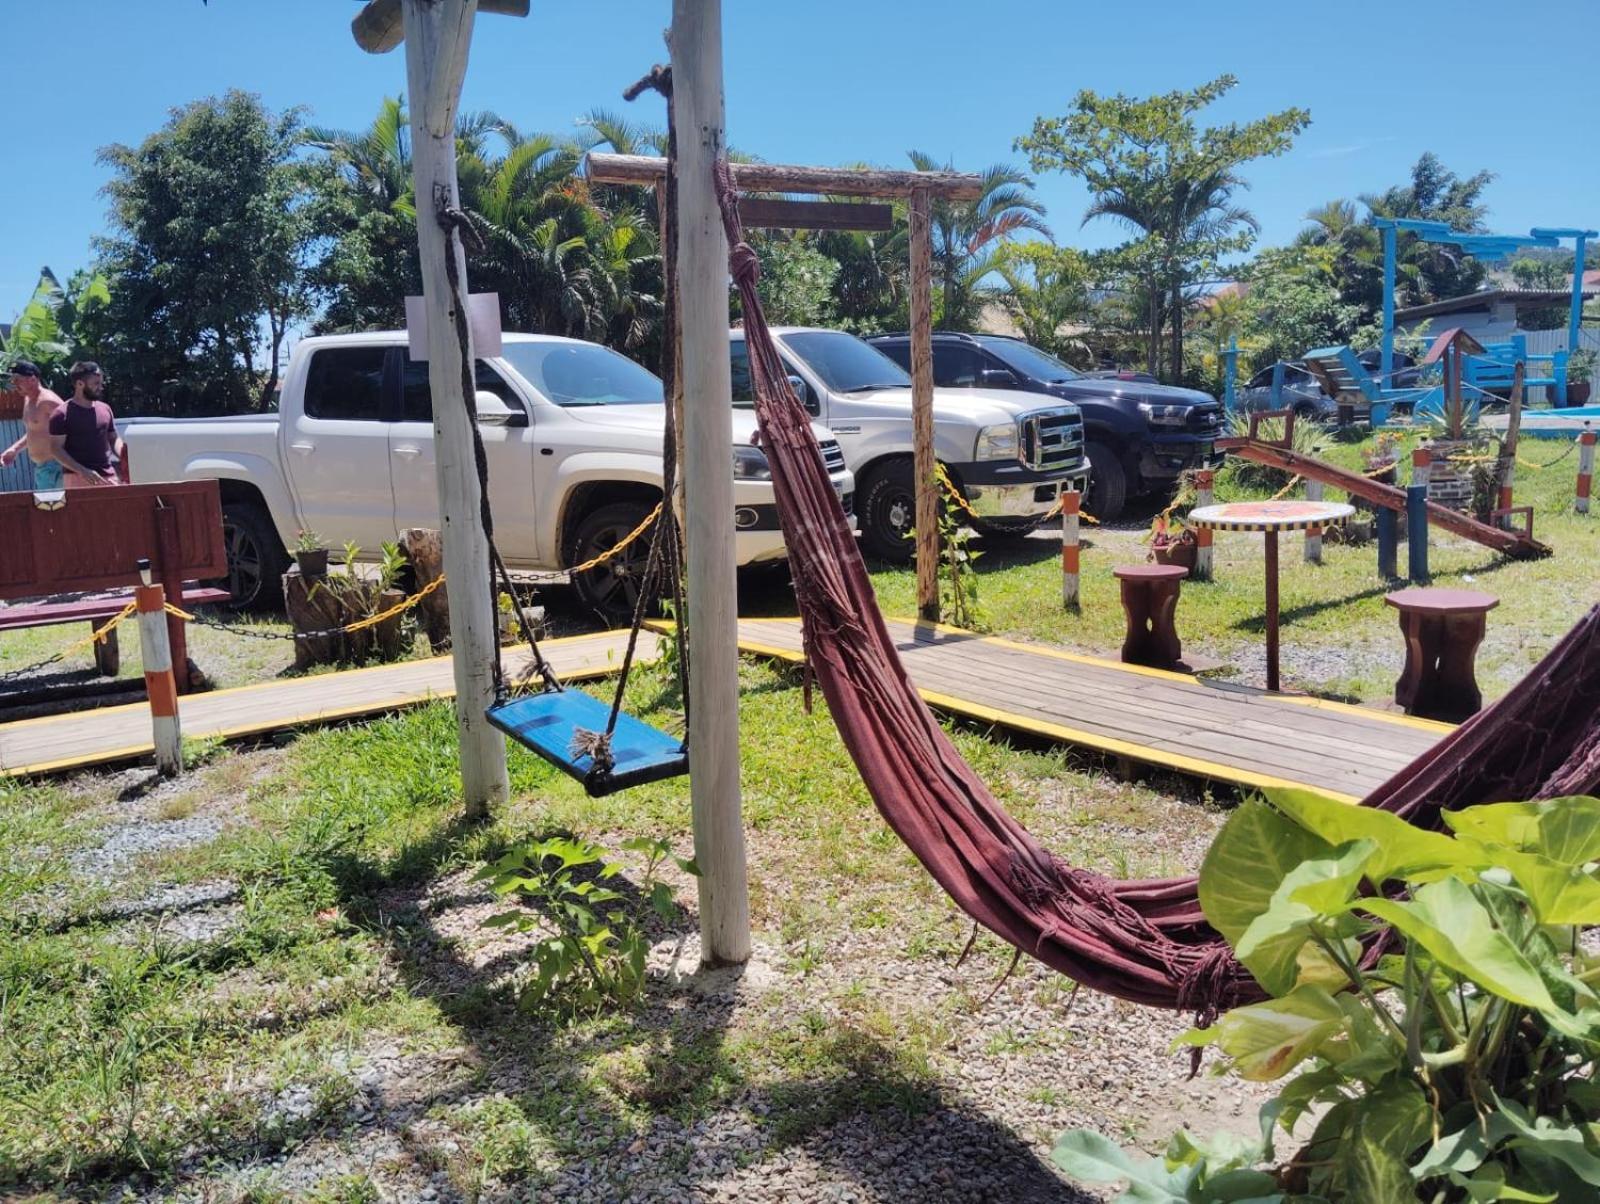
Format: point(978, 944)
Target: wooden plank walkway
point(122, 733)
point(1208, 729)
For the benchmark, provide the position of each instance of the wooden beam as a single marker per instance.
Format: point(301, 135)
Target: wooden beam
point(644, 170)
point(702, 306)
point(438, 34)
point(923, 463)
point(379, 27)
point(764, 214)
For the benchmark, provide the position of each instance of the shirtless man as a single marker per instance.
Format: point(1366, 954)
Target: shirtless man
point(39, 406)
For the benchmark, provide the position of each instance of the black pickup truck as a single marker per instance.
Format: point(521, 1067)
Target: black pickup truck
point(1138, 436)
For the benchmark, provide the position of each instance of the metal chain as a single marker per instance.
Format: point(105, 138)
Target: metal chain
point(97, 636)
point(962, 504)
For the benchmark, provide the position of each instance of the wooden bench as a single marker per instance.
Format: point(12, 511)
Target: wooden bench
point(1442, 629)
point(1150, 600)
point(94, 611)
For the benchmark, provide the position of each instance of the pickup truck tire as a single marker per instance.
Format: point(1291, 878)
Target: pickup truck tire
point(256, 557)
point(1108, 482)
point(886, 503)
point(612, 589)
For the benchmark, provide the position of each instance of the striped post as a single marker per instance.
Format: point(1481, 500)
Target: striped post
point(1585, 468)
point(1204, 495)
point(1421, 466)
point(160, 686)
point(1313, 534)
point(1071, 502)
point(1508, 475)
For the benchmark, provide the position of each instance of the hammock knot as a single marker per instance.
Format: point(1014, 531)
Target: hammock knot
point(744, 265)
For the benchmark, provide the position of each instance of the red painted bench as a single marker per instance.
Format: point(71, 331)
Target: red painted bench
point(94, 611)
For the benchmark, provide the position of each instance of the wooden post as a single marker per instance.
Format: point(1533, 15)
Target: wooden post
point(171, 578)
point(1585, 468)
point(160, 686)
point(923, 463)
point(1204, 552)
point(1272, 609)
point(702, 278)
point(1421, 465)
point(1417, 531)
point(1071, 506)
point(1387, 523)
point(1508, 448)
point(425, 551)
point(437, 37)
point(1313, 534)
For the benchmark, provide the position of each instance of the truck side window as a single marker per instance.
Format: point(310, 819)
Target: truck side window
point(955, 366)
point(416, 397)
point(346, 383)
point(743, 388)
point(898, 351)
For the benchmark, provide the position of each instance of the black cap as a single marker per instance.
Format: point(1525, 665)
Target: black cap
point(24, 368)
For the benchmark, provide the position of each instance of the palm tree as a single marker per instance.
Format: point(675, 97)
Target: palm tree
point(375, 161)
point(965, 235)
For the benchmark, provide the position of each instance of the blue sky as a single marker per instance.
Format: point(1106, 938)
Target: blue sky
point(831, 81)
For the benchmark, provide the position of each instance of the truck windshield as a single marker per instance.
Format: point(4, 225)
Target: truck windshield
point(845, 363)
point(1030, 361)
point(583, 374)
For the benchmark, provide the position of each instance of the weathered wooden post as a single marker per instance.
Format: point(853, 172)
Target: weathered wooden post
point(1313, 534)
point(1508, 447)
point(1071, 508)
point(923, 463)
point(1204, 495)
point(160, 685)
point(1585, 468)
point(697, 110)
point(437, 36)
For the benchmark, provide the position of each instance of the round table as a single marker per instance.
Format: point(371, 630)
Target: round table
point(1270, 518)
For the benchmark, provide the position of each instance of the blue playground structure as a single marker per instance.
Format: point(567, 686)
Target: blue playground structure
point(1487, 371)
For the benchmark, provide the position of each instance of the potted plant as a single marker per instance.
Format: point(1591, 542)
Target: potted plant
point(310, 554)
point(1580, 374)
point(1173, 543)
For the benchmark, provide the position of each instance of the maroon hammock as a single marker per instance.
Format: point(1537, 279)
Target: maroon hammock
point(1144, 941)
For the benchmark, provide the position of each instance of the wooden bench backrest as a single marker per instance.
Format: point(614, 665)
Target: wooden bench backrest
point(97, 538)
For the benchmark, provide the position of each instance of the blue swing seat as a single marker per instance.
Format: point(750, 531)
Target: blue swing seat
point(547, 723)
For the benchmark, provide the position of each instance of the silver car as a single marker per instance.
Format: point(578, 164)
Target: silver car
point(1302, 393)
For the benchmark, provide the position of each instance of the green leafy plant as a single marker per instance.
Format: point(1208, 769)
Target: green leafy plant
point(958, 584)
point(352, 550)
point(592, 942)
point(307, 540)
point(1580, 367)
point(1456, 1066)
point(392, 563)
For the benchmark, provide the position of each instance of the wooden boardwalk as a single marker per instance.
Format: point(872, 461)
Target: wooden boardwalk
point(1208, 729)
point(122, 733)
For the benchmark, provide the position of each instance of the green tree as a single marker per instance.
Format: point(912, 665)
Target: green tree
point(1047, 295)
point(49, 329)
point(797, 279)
point(1292, 304)
point(207, 262)
point(1147, 164)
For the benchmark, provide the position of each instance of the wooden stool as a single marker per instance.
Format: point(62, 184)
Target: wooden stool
point(1150, 599)
point(1442, 629)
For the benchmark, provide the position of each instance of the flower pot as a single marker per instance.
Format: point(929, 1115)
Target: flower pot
point(312, 562)
point(1180, 552)
point(1579, 394)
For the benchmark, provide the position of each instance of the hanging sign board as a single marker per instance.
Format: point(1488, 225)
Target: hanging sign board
point(483, 317)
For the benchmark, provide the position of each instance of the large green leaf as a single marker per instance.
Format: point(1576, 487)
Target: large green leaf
point(1565, 830)
point(1447, 920)
point(1085, 1154)
point(1401, 848)
point(1313, 891)
point(1386, 1128)
point(1267, 1040)
point(1560, 893)
point(1252, 854)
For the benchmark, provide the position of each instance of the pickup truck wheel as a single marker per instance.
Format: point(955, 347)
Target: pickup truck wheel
point(887, 505)
point(1108, 483)
point(256, 557)
point(611, 589)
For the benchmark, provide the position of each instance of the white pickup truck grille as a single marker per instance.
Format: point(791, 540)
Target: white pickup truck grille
point(832, 455)
point(1052, 439)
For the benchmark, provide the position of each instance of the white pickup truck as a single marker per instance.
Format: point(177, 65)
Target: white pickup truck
point(1008, 452)
point(572, 431)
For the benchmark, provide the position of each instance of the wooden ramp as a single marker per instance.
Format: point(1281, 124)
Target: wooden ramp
point(1208, 729)
point(122, 733)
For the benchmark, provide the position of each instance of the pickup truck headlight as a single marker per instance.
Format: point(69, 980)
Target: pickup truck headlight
point(997, 443)
point(1163, 415)
point(750, 464)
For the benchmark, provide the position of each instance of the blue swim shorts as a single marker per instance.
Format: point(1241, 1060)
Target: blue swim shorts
point(47, 476)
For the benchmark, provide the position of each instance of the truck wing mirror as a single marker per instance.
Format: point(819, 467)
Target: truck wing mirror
point(493, 411)
point(798, 384)
point(997, 378)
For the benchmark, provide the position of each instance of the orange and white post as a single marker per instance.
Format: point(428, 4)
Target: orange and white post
point(1585, 468)
point(159, 683)
point(1421, 465)
point(1071, 505)
point(1313, 534)
point(1205, 484)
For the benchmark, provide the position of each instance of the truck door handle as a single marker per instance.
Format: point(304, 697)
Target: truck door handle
point(305, 449)
point(407, 450)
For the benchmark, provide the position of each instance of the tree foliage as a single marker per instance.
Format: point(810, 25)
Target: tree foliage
point(1149, 166)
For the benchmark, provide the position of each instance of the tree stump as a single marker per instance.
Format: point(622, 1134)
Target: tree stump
point(313, 605)
point(425, 550)
point(389, 633)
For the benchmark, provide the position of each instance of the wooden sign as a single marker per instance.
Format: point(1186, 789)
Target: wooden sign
point(760, 213)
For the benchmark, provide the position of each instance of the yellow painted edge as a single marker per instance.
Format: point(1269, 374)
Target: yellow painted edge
point(1326, 704)
point(134, 751)
point(278, 685)
point(1190, 765)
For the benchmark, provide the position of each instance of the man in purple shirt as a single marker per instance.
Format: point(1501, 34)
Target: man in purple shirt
point(86, 429)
